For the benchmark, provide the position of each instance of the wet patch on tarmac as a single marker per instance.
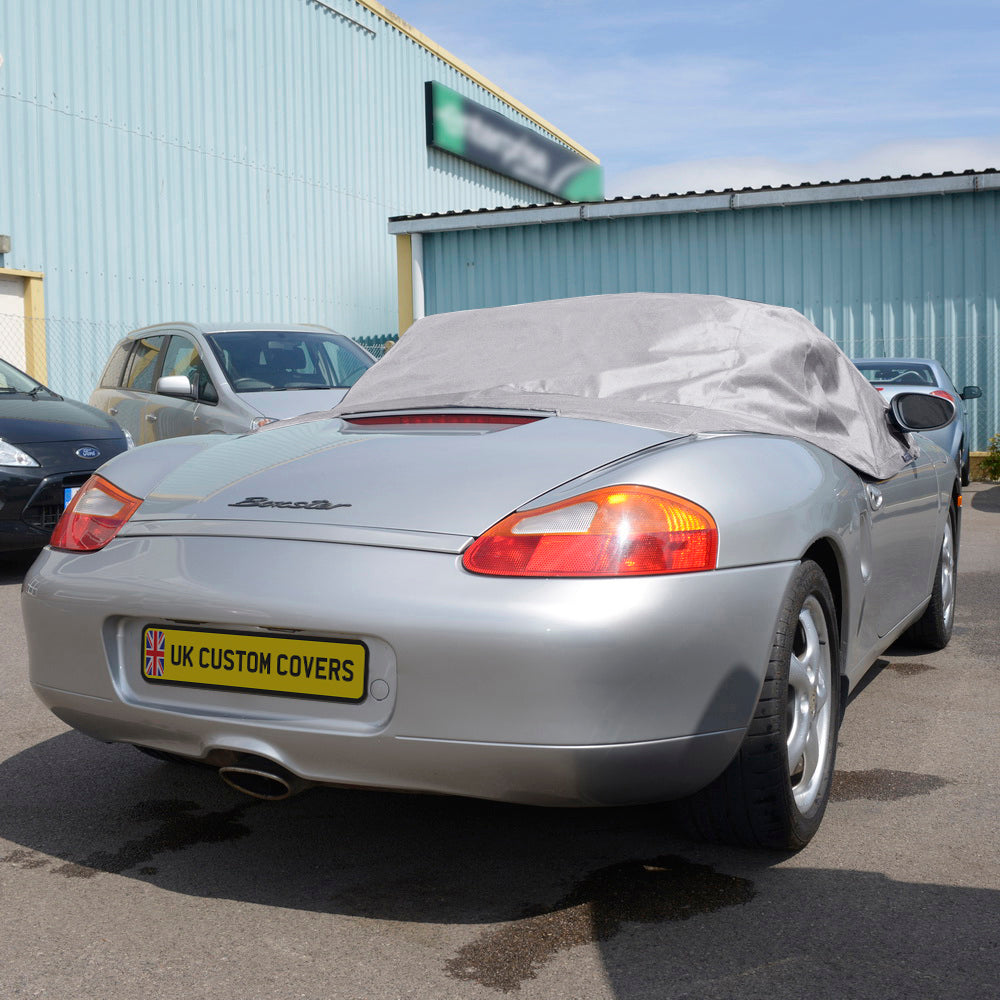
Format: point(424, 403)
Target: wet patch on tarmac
point(880, 785)
point(181, 825)
point(909, 669)
point(20, 858)
point(652, 891)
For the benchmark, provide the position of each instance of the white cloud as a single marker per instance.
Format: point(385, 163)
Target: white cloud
point(770, 92)
point(887, 159)
point(633, 110)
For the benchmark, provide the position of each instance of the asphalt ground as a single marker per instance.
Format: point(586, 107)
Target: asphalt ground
point(123, 877)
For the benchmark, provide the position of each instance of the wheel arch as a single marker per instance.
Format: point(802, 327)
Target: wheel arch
point(825, 553)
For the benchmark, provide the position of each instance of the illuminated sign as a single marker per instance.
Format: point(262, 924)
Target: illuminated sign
point(477, 134)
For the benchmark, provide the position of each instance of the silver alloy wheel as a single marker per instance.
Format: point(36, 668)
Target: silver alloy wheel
point(810, 706)
point(946, 571)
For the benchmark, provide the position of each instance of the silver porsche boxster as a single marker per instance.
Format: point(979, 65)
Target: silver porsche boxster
point(596, 551)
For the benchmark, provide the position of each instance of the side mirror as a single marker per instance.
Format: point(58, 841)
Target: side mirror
point(918, 411)
point(971, 392)
point(174, 385)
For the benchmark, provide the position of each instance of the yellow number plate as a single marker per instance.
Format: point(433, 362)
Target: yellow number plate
point(315, 668)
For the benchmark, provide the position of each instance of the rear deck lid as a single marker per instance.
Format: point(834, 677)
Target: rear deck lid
point(450, 480)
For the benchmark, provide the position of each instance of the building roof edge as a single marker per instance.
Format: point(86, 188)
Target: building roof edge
point(865, 189)
point(431, 46)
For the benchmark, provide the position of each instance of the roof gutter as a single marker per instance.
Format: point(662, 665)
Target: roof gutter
point(710, 202)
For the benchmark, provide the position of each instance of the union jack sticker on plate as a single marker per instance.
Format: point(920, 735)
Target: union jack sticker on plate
point(154, 662)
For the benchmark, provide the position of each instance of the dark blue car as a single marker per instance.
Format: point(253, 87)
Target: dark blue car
point(49, 447)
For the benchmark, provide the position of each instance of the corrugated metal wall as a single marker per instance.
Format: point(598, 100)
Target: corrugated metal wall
point(916, 276)
point(231, 160)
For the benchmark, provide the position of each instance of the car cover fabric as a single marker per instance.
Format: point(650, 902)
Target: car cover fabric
point(674, 362)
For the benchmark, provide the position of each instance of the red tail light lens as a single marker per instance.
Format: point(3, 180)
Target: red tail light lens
point(94, 516)
point(944, 395)
point(615, 531)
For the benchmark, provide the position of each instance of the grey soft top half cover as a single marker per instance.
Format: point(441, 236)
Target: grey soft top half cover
point(679, 363)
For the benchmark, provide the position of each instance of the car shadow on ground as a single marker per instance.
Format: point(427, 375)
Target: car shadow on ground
point(668, 916)
point(15, 565)
point(987, 499)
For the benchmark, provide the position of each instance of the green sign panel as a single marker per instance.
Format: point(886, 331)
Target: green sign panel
point(480, 135)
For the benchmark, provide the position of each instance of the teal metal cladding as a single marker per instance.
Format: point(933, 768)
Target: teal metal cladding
point(914, 276)
point(232, 160)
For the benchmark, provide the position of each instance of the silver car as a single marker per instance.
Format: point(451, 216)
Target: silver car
point(619, 549)
point(177, 379)
point(893, 375)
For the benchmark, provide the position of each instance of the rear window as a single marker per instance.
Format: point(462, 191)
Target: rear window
point(898, 374)
point(145, 358)
point(112, 375)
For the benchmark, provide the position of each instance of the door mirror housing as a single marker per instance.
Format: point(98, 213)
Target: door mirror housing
point(174, 385)
point(971, 392)
point(918, 411)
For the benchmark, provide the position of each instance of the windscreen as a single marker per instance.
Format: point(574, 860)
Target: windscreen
point(897, 373)
point(270, 360)
point(13, 381)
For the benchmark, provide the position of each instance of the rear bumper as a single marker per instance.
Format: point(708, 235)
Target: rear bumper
point(535, 691)
point(603, 775)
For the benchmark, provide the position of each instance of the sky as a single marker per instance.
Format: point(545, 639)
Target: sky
point(675, 96)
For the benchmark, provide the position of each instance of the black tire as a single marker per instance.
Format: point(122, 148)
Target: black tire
point(932, 630)
point(966, 469)
point(762, 799)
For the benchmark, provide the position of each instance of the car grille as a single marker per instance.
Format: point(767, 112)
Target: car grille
point(47, 505)
point(43, 516)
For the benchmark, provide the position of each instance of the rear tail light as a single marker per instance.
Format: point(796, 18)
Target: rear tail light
point(944, 395)
point(94, 516)
point(615, 531)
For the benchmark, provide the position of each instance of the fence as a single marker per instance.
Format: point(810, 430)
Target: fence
point(377, 346)
point(12, 340)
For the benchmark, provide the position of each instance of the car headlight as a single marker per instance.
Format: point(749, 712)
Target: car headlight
point(12, 455)
point(258, 422)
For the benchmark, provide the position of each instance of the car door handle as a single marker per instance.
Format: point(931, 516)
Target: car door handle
point(151, 417)
point(113, 411)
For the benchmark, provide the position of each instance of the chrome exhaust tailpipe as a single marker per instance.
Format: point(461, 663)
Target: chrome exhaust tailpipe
point(262, 779)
